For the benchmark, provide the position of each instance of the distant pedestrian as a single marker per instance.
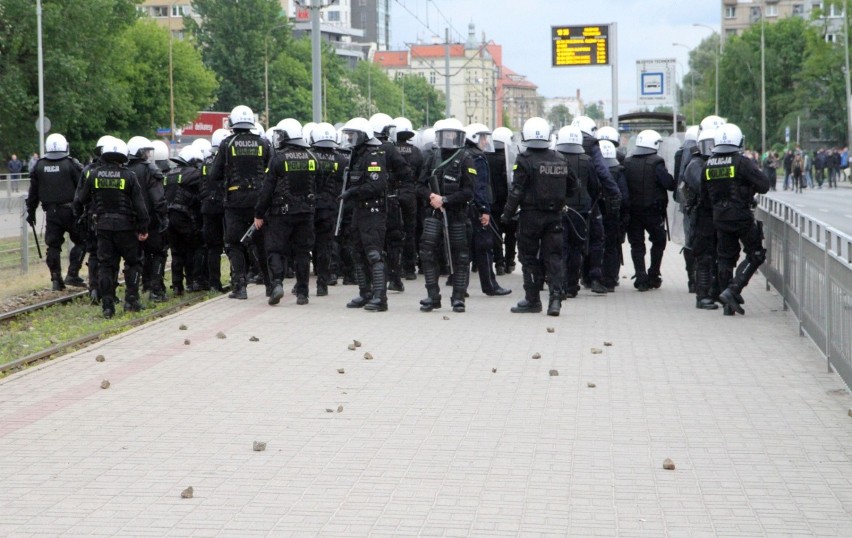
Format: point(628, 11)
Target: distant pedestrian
point(788, 168)
point(798, 166)
point(15, 166)
point(32, 162)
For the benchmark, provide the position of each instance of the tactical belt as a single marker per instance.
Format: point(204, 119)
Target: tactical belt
point(57, 206)
point(372, 203)
point(179, 207)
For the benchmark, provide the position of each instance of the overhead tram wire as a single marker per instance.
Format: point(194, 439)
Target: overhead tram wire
point(426, 23)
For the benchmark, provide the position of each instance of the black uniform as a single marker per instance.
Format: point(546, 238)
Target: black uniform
point(399, 173)
point(647, 181)
point(155, 248)
point(331, 165)
point(683, 157)
point(614, 214)
point(577, 235)
point(504, 260)
point(407, 198)
point(453, 173)
point(53, 183)
point(730, 182)
point(609, 191)
point(484, 237)
point(700, 234)
point(542, 182)
point(120, 213)
point(239, 166)
point(366, 193)
point(212, 224)
point(183, 196)
point(286, 204)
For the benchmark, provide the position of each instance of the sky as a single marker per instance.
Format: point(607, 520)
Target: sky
point(646, 30)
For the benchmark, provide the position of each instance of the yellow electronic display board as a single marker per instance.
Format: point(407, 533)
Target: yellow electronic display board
point(580, 45)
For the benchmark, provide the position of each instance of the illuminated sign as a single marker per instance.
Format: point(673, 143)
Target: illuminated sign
point(580, 45)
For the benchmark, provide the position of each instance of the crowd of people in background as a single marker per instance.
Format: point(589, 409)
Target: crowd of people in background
point(799, 169)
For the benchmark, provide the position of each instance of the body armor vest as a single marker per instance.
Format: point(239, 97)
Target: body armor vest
point(57, 180)
point(180, 187)
point(329, 178)
point(245, 162)
point(723, 183)
point(581, 201)
point(641, 173)
point(111, 186)
point(497, 174)
point(212, 195)
point(295, 174)
point(549, 180)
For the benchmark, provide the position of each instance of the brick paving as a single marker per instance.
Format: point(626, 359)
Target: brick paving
point(430, 441)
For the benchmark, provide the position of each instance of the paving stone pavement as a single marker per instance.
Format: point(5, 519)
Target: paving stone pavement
point(430, 441)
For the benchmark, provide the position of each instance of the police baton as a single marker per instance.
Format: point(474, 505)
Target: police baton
point(35, 236)
point(666, 221)
point(433, 186)
point(340, 207)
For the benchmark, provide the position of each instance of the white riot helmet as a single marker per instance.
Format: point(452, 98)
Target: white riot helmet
point(647, 142)
point(356, 132)
point(449, 134)
point(114, 150)
point(610, 134)
point(502, 137)
point(102, 141)
point(289, 131)
point(427, 139)
point(711, 122)
point(586, 124)
point(536, 133)
point(270, 135)
point(691, 134)
point(569, 139)
point(706, 141)
point(241, 118)
point(479, 135)
point(324, 136)
point(139, 146)
point(161, 151)
point(307, 129)
point(204, 146)
point(55, 147)
point(728, 139)
point(381, 124)
point(259, 130)
point(404, 130)
point(190, 155)
point(218, 136)
point(609, 153)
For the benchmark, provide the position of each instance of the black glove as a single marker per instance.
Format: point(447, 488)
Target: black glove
point(164, 225)
point(347, 194)
point(505, 219)
point(31, 218)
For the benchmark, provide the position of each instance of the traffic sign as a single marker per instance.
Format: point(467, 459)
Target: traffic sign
point(580, 45)
point(655, 79)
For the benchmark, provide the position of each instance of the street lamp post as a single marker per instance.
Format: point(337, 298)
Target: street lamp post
point(41, 82)
point(846, 76)
point(762, 81)
point(691, 83)
point(718, 54)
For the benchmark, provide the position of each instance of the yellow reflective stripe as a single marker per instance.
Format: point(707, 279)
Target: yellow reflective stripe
point(514, 167)
point(235, 187)
point(204, 169)
point(260, 151)
point(180, 178)
point(374, 169)
point(286, 167)
point(233, 151)
point(471, 171)
point(312, 165)
point(266, 171)
point(335, 167)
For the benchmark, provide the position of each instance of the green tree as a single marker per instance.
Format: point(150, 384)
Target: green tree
point(236, 37)
point(378, 92)
point(423, 104)
point(595, 111)
point(559, 116)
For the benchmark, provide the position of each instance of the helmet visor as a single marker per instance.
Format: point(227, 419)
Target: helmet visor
point(449, 139)
point(353, 138)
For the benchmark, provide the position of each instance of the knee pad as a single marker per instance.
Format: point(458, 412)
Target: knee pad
point(374, 257)
point(757, 257)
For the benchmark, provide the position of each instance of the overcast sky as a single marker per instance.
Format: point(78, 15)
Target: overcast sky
point(646, 31)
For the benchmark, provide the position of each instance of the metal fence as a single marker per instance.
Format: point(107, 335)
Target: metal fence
point(14, 184)
point(810, 264)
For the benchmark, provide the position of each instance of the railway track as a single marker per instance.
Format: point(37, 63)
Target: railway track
point(152, 312)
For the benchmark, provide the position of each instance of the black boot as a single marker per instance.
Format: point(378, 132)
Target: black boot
point(431, 302)
point(458, 302)
point(732, 300)
point(379, 302)
point(531, 304)
point(238, 290)
point(277, 292)
point(56, 282)
point(322, 289)
point(108, 307)
point(641, 282)
point(132, 304)
point(555, 304)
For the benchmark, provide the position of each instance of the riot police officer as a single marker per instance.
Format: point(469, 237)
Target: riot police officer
point(500, 163)
point(87, 218)
point(155, 248)
point(407, 194)
point(730, 182)
point(366, 191)
point(542, 182)
point(447, 186)
point(53, 182)
point(122, 221)
point(613, 223)
point(478, 144)
point(399, 173)
point(577, 229)
point(287, 203)
point(700, 232)
point(183, 197)
point(331, 165)
point(647, 181)
point(240, 165)
point(213, 214)
point(682, 158)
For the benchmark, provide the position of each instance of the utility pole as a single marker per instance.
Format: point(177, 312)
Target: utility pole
point(846, 77)
point(41, 83)
point(316, 60)
point(447, 69)
point(762, 81)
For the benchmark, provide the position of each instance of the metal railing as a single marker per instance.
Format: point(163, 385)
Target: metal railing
point(810, 264)
point(14, 184)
